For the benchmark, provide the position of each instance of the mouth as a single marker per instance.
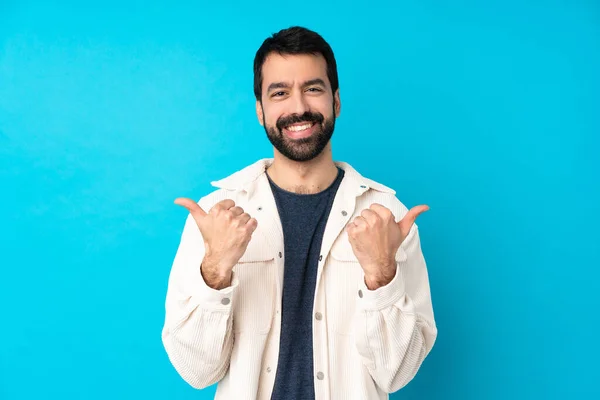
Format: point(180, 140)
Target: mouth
point(301, 130)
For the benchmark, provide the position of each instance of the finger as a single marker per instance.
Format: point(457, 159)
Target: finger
point(350, 228)
point(224, 204)
point(382, 211)
point(370, 216)
point(244, 218)
point(411, 216)
point(414, 212)
point(252, 224)
point(236, 211)
point(193, 207)
point(360, 222)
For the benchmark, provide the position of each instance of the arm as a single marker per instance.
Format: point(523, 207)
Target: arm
point(394, 324)
point(197, 333)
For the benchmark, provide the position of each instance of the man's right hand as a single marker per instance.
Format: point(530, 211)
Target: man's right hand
point(226, 230)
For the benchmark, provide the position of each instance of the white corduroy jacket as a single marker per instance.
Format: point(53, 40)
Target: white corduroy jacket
point(366, 343)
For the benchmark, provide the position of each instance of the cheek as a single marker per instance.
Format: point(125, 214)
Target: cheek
point(271, 114)
point(323, 106)
point(270, 120)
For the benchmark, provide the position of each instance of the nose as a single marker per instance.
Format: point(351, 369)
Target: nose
point(300, 106)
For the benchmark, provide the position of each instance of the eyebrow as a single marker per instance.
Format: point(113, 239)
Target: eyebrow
point(285, 85)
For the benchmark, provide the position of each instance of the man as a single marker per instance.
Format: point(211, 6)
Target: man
point(298, 278)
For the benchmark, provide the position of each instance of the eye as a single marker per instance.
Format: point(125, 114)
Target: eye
point(314, 89)
point(277, 94)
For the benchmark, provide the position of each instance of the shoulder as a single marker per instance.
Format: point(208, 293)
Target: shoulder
point(230, 186)
point(209, 200)
point(388, 200)
point(379, 193)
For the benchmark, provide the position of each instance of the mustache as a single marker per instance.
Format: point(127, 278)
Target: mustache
point(295, 119)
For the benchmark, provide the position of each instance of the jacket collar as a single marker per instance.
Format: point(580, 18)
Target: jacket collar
point(246, 178)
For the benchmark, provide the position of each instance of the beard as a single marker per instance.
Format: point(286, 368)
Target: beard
point(303, 149)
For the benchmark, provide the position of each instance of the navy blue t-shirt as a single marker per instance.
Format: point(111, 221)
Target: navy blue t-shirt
point(303, 218)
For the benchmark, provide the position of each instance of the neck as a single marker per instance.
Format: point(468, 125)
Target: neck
point(306, 177)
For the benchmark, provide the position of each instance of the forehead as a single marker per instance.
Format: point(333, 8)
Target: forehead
point(293, 68)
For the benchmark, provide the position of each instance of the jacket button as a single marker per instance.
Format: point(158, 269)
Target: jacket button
point(360, 293)
point(320, 375)
point(321, 257)
point(280, 255)
point(344, 213)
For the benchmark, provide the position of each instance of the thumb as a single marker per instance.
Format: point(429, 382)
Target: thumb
point(411, 216)
point(197, 212)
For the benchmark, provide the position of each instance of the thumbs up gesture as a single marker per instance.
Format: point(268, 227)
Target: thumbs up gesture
point(226, 230)
point(375, 237)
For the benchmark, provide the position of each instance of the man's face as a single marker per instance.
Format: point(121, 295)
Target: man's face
point(298, 109)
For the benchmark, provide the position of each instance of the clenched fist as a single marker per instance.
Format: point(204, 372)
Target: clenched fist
point(226, 230)
point(375, 237)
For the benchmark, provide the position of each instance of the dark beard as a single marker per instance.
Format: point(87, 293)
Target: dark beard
point(304, 149)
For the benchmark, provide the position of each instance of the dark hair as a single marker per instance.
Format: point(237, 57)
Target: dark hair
point(294, 40)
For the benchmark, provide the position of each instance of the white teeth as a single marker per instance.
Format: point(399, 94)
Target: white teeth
point(299, 127)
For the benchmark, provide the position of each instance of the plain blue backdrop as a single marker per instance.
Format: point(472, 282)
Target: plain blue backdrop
point(488, 111)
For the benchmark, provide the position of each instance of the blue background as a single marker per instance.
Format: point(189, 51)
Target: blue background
point(486, 111)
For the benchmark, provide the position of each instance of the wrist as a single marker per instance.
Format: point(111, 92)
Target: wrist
point(214, 275)
point(383, 276)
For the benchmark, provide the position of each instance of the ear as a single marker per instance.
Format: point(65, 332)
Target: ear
point(337, 103)
point(259, 112)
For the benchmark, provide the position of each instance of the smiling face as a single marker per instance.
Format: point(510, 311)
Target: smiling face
point(297, 107)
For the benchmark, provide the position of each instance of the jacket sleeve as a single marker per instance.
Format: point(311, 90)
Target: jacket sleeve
point(197, 333)
point(394, 325)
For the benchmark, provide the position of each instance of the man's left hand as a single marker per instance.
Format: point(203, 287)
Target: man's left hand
point(375, 237)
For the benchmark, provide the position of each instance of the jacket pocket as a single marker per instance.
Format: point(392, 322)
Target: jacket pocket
point(343, 275)
point(255, 298)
